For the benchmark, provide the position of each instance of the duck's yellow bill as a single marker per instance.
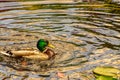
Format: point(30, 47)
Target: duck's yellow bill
point(50, 45)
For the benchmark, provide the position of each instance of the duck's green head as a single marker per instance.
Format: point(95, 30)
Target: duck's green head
point(42, 44)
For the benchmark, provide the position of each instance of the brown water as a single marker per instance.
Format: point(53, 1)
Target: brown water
point(86, 35)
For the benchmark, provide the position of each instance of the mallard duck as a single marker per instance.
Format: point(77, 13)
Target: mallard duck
point(43, 52)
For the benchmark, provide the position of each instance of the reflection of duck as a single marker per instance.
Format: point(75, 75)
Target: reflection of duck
point(45, 53)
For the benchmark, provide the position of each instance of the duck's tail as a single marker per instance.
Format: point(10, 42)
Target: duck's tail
point(7, 53)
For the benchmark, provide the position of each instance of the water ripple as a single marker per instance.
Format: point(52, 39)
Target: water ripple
point(84, 34)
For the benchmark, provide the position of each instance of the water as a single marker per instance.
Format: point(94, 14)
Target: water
point(85, 35)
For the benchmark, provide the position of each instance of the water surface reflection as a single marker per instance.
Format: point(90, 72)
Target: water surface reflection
point(85, 35)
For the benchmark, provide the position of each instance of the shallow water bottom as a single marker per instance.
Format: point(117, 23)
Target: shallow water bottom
point(73, 64)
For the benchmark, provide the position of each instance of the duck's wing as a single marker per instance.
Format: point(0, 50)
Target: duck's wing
point(20, 53)
point(24, 52)
point(40, 57)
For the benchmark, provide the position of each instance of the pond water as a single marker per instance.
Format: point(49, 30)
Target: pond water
point(85, 34)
